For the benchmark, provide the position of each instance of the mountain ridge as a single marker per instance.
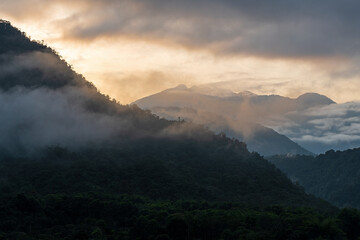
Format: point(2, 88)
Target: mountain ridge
point(201, 89)
point(235, 113)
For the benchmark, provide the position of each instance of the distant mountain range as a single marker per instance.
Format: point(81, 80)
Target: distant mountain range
point(232, 104)
point(269, 124)
point(238, 115)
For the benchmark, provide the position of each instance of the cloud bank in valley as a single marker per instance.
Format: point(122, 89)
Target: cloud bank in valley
point(319, 129)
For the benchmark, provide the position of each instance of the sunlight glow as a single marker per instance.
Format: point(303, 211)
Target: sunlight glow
point(111, 61)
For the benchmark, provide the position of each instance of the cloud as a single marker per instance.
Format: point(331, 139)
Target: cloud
point(313, 44)
point(318, 129)
point(44, 103)
point(329, 138)
point(127, 87)
point(35, 118)
point(267, 29)
point(280, 28)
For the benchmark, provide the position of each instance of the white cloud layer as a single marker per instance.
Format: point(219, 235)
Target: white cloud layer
point(318, 129)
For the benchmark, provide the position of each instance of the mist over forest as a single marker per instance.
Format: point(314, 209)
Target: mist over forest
point(45, 103)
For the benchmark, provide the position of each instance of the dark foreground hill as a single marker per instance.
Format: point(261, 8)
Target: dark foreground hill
point(118, 172)
point(334, 176)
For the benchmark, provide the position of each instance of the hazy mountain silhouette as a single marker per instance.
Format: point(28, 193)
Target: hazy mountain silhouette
point(257, 137)
point(314, 121)
point(236, 114)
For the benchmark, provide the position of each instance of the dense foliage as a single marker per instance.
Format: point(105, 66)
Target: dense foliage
point(10, 42)
point(216, 169)
point(143, 192)
point(100, 216)
point(333, 176)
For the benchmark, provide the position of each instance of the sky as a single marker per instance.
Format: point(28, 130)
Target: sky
point(130, 48)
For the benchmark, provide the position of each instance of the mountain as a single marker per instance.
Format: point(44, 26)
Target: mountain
point(257, 137)
point(236, 114)
point(75, 164)
point(312, 120)
point(333, 176)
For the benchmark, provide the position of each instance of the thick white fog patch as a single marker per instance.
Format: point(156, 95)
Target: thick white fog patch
point(334, 126)
point(33, 119)
point(33, 59)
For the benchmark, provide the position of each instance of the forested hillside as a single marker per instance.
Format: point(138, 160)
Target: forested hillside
point(159, 190)
point(334, 176)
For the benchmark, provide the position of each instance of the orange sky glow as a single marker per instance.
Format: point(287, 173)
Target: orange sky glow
point(132, 66)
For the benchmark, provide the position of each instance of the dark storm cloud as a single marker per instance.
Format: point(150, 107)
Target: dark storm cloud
point(262, 28)
point(279, 28)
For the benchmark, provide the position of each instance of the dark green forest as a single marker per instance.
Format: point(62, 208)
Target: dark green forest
point(99, 216)
point(333, 176)
point(160, 194)
point(149, 179)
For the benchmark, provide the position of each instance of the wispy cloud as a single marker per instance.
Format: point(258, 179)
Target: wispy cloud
point(267, 29)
